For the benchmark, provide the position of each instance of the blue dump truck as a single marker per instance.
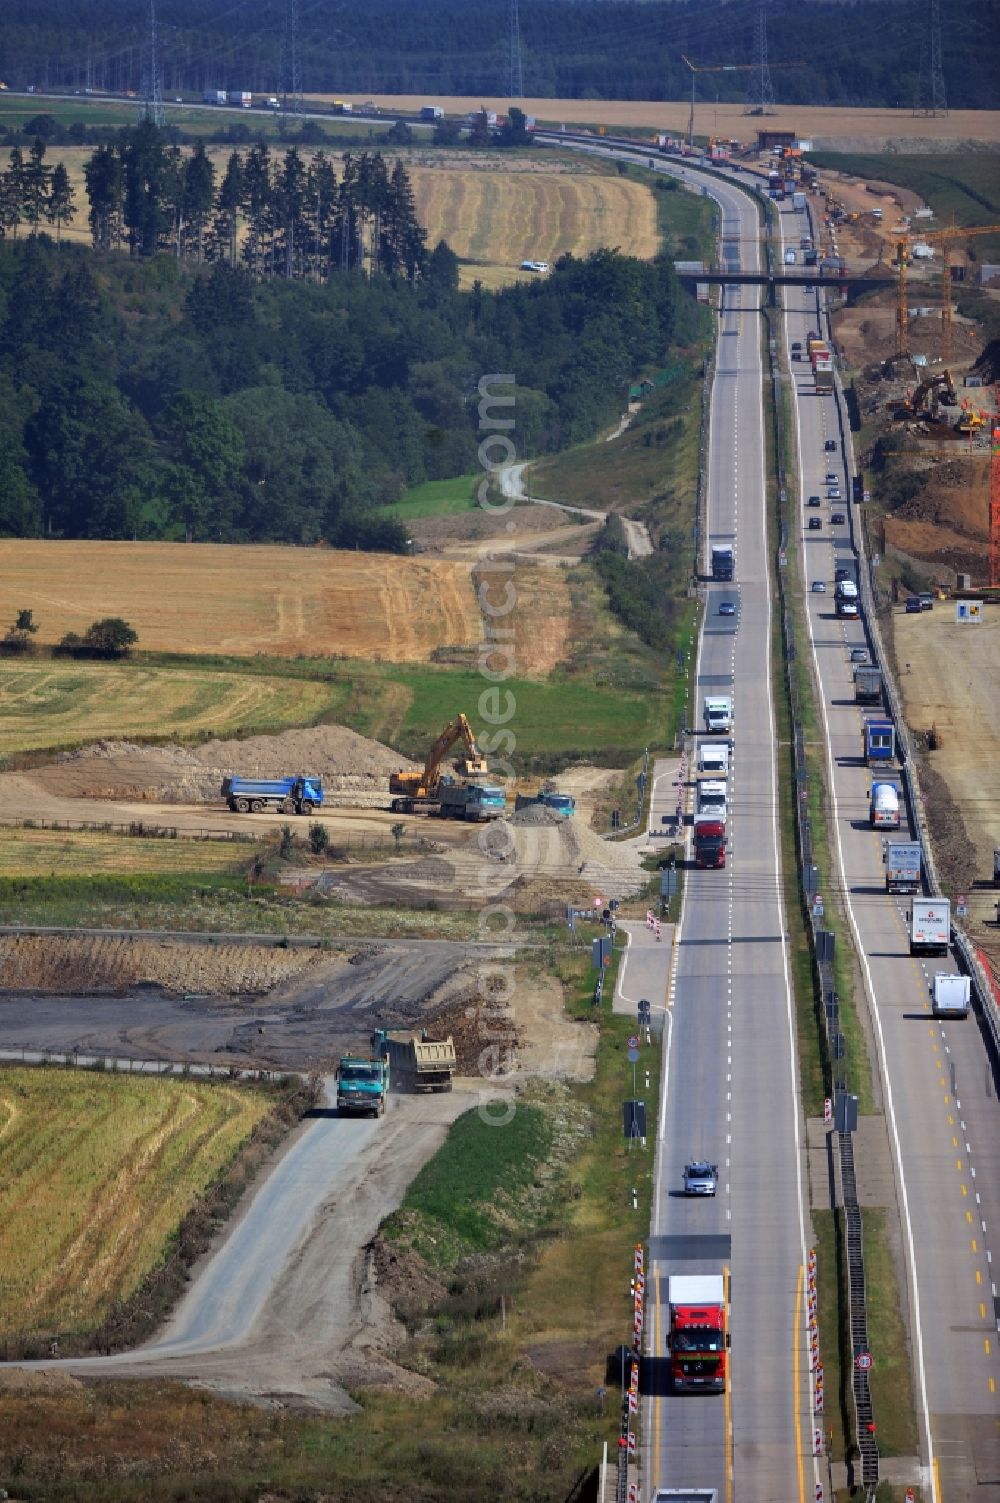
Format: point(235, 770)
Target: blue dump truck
point(297, 795)
point(561, 803)
point(475, 802)
point(362, 1085)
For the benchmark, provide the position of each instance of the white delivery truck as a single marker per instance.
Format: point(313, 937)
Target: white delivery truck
point(883, 807)
point(930, 926)
point(950, 995)
point(710, 800)
point(718, 713)
point(713, 758)
point(902, 866)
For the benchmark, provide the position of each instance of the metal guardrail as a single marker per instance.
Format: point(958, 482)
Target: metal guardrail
point(822, 948)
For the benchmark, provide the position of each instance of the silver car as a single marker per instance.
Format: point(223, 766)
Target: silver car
point(701, 1178)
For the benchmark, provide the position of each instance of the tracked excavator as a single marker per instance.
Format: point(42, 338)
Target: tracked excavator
point(931, 391)
point(413, 792)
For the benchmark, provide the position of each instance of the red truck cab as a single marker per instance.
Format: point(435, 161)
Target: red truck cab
point(709, 843)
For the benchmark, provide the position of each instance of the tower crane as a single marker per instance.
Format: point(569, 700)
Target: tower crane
point(904, 247)
point(721, 68)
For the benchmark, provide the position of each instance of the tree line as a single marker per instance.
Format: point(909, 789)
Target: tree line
point(852, 52)
point(154, 397)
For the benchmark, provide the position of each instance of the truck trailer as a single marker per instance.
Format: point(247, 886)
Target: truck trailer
point(883, 806)
point(879, 742)
point(698, 1339)
point(361, 1086)
point(930, 926)
point(418, 1063)
point(903, 866)
point(723, 561)
point(868, 685)
point(710, 799)
point(294, 795)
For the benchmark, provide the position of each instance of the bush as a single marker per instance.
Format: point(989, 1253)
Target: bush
point(319, 838)
point(110, 637)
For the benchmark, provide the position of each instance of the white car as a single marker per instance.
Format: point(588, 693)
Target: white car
point(700, 1178)
point(534, 266)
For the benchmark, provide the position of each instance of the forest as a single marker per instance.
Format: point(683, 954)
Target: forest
point(152, 396)
point(825, 52)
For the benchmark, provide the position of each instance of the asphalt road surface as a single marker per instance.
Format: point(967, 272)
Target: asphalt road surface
point(731, 1091)
point(940, 1097)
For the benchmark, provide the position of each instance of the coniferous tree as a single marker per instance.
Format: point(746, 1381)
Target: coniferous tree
point(105, 180)
point(61, 206)
point(225, 224)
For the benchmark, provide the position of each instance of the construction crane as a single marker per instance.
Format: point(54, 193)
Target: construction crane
point(904, 247)
point(722, 68)
point(420, 787)
point(995, 503)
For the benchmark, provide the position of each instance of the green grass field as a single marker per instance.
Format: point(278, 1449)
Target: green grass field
point(436, 498)
point(192, 119)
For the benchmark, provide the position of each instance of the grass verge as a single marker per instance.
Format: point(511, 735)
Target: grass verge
point(436, 498)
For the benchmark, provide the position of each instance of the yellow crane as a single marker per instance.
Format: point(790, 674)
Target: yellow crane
point(418, 787)
point(904, 248)
point(722, 68)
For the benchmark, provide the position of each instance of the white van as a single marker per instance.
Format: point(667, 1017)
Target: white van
point(790, 258)
point(714, 759)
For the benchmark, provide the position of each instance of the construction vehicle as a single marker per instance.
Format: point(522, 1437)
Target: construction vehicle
point(418, 1063)
point(418, 792)
point(939, 388)
point(362, 1085)
point(294, 795)
point(474, 802)
point(547, 798)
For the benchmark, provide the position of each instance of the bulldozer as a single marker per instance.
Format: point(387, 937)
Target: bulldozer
point(411, 790)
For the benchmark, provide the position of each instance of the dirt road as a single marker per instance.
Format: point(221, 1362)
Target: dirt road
point(637, 533)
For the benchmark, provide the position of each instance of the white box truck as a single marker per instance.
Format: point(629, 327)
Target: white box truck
point(930, 926)
point(718, 713)
point(710, 800)
point(950, 995)
point(713, 758)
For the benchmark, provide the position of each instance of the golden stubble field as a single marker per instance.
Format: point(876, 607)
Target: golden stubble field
point(494, 210)
point(98, 1170)
point(243, 600)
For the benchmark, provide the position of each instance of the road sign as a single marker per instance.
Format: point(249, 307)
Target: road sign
point(863, 1362)
point(818, 908)
point(632, 1056)
point(644, 1010)
point(634, 1119)
point(633, 1042)
point(961, 906)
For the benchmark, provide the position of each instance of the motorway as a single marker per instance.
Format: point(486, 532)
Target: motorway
point(731, 1090)
point(941, 1108)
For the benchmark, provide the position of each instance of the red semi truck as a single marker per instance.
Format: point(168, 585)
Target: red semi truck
point(699, 1333)
point(709, 843)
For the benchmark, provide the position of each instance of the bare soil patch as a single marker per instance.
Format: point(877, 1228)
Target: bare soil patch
point(953, 683)
point(70, 964)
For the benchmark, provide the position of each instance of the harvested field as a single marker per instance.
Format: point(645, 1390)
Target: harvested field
point(98, 1172)
point(205, 597)
point(41, 853)
point(55, 703)
point(952, 681)
point(824, 126)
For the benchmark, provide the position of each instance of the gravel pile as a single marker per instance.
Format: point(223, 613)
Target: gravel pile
point(536, 814)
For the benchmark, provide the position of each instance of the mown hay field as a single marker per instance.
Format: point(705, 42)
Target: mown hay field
point(245, 599)
point(495, 211)
point(64, 853)
point(60, 704)
point(96, 1172)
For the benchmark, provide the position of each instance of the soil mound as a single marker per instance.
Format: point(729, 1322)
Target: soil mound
point(346, 761)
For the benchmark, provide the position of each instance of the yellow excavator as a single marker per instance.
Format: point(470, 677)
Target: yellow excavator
point(413, 790)
point(939, 388)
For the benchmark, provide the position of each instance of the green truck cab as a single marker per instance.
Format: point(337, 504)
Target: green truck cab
point(362, 1086)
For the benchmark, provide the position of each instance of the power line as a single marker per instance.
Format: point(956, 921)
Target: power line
point(760, 95)
point(152, 93)
point(931, 98)
point(516, 89)
point(291, 82)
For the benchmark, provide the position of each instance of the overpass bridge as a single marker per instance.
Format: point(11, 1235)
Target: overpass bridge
point(851, 286)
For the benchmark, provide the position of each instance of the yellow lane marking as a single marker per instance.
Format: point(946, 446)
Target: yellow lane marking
point(974, 1247)
point(954, 1142)
point(982, 1310)
point(958, 1165)
point(993, 1385)
point(964, 1190)
point(979, 1276)
point(986, 1344)
point(968, 1217)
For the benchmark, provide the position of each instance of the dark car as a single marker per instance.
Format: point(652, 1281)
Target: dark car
point(815, 523)
point(913, 606)
point(818, 587)
point(796, 344)
point(840, 574)
point(813, 501)
point(830, 446)
point(837, 518)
